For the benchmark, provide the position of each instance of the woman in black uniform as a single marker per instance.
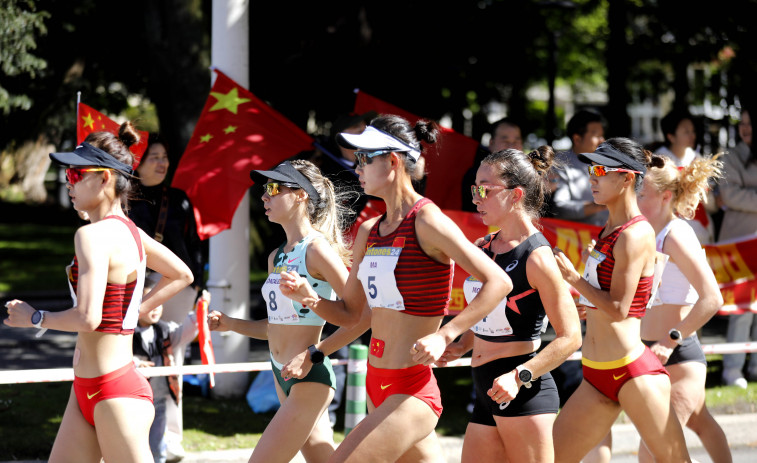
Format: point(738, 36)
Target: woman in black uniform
point(516, 397)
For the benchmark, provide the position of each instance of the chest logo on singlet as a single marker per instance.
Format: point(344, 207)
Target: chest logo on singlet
point(292, 260)
point(504, 405)
point(512, 265)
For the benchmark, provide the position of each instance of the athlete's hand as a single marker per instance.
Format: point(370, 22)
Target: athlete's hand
point(504, 388)
point(218, 321)
point(298, 367)
point(297, 288)
point(662, 352)
point(428, 349)
point(139, 363)
point(585, 253)
point(581, 311)
point(19, 314)
point(453, 352)
point(566, 267)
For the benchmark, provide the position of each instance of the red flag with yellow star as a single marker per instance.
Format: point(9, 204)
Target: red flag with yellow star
point(90, 120)
point(236, 133)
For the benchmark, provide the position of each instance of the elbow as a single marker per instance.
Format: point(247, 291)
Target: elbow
point(186, 277)
point(575, 341)
point(88, 324)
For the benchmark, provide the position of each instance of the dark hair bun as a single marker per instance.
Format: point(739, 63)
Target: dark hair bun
point(128, 134)
point(655, 160)
point(542, 158)
point(427, 131)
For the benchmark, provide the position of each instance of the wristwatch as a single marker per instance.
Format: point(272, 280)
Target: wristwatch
point(524, 375)
point(37, 318)
point(316, 356)
point(675, 336)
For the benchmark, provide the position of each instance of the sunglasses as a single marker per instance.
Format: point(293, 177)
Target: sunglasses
point(366, 157)
point(483, 190)
point(75, 174)
point(601, 171)
point(274, 188)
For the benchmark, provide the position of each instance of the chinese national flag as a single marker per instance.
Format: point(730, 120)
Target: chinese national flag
point(236, 133)
point(206, 345)
point(446, 160)
point(90, 120)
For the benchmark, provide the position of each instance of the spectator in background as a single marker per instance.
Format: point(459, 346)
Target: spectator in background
point(154, 343)
point(166, 214)
point(572, 199)
point(738, 192)
point(680, 138)
point(505, 134)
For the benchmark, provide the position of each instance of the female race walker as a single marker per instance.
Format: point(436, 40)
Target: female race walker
point(110, 408)
point(620, 372)
point(688, 296)
point(304, 203)
point(403, 269)
point(510, 420)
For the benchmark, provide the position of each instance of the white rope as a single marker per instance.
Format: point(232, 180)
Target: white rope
point(67, 374)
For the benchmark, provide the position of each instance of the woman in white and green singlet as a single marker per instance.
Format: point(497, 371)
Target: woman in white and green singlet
point(300, 199)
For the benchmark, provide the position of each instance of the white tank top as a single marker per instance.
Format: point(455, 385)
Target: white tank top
point(675, 287)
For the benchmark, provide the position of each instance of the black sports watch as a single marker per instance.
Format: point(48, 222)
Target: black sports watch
point(524, 375)
point(316, 356)
point(675, 336)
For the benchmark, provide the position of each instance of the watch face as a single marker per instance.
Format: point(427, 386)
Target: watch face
point(316, 356)
point(36, 317)
point(524, 376)
point(675, 335)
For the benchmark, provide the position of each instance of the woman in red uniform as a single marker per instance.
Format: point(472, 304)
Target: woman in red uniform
point(620, 372)
point(402, 269)
point(110, 408)
point(516, 397)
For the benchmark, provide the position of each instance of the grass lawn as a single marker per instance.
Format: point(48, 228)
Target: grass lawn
point(35, 411)
point(35, 256)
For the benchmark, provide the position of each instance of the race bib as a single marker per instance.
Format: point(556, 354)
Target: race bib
point(590, 273)
point(376, 273)
point(494, 324)
point(279, 307)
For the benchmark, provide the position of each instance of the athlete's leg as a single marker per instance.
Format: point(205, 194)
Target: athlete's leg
point(76, 440)
point(686, 395)
point(320, 444)
point(292, 424)
point(602, 452)
point(711, 434)
point(482, 444)
point(583, 422)
point(123, 429)
point(527, 438)
point(646, 401)
point(401, 420)
point(428, 450)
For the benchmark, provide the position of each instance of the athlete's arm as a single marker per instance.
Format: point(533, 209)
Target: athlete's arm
point(693, 264)
point(175, 275)
point(544, 277)
point(440, 238)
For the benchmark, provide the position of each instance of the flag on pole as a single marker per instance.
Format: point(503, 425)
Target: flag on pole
point(206, 344)
point(446, 160)
point(236, 133)
point(90, 120)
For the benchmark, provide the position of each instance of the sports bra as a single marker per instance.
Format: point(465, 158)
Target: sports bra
point(601, 262)
point(520, 316)
point(674, 286)
point(121, 302)
point(397, 274)
point(282, 310)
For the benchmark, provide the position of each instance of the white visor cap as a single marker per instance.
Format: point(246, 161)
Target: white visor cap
point(373, 139)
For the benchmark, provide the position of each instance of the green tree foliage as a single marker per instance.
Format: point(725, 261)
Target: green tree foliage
point(21, 23)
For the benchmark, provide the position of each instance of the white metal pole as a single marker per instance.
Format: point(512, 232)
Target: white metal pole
point(229, 274)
